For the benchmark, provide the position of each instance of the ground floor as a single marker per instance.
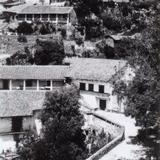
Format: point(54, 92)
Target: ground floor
point(7, 142)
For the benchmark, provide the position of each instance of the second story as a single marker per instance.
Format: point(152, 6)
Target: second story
point(43, 13)
point(89, 75)
point(32, 77)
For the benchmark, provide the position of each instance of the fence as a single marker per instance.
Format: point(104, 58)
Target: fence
point(101, 152)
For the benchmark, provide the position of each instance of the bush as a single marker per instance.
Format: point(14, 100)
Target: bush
point(111, 22)
point(49, 52)
point(93, 28)
point(79, 40)
point(63, 33)
point(22, 38)
point(25, 28)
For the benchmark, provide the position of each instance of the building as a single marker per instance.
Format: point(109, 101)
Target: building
point(22, 92)
point(94, 78)
point(56, 15)
point(117, 1)
point(43, 13)
point(23, 88)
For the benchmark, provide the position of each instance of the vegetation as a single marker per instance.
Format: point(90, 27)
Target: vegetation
point(63, 137)
point(36, 28)
point(49, 52)
point(24, 28)
point(20, 58)
point(143, 94)
point(46, 52)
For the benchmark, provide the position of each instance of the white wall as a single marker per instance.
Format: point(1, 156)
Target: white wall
point(5, 125)
point(28, 123)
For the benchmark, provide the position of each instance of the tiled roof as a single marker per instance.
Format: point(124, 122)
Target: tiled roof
point(20, 103)
point(94, 69)
point(23, 103)
point(33, 72)
point(43, 9)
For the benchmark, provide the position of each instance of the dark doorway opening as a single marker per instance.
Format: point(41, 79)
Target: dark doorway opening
point(102, 104)
point(17, 124)
point(6, 84)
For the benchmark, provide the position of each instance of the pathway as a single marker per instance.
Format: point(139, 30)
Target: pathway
point(125, 150)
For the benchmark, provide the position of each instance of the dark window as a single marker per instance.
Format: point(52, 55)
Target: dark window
point(17, 124)
point(6, 84)
point(82, 86)
point(91, 87)
point(102, 104)
point(28, 83)
point(48, 83)
point(101, 88)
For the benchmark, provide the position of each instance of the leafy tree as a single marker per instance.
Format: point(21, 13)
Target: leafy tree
point(85, 7)
point(49, 52)
point(25, 28)
point(22, 39)
point(143, 94)
point(93, 28)
point(20, 58)
point(63, 137)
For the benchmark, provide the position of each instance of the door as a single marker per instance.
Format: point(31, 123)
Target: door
point(17, 124)
point(102, 104)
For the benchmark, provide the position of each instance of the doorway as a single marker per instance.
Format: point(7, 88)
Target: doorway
point(102, 104)
point(17, 124)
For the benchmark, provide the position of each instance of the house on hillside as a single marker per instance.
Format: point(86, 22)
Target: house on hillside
point(59, 3)
point(23, 88)
point(117, 1)
point(22, 92)
point(63, 16)
point(94, 78)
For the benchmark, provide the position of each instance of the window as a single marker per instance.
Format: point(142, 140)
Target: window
point(17, 124)
point(102, 104)
point(44, 85)
point(101, 88)
point(82, 86)
point(5, 84)
point(91, 87)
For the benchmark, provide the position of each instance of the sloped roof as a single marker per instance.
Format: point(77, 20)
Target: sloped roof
point(20, 103)
point(33, 72)
point(43, 9)
point(94, 69)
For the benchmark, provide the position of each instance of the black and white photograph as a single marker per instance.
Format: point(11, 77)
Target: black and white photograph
point(79, 79)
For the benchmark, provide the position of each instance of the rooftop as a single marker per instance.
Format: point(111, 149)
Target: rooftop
point(33, 72)
point(40, 9)
point(94, 69)
point(20, 103)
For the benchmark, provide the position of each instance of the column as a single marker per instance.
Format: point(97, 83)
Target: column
point(24, 85)
point(56, 19)
point(40, 17)
point(68, 19)
point(25, 19)
point(32, 17)
point(37, 85)
point(10, 84)
point(51, 85)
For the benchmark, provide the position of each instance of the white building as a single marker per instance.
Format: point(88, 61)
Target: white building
point(23, 88)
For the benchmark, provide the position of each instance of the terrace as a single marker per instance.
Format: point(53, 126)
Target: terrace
point(31, 84)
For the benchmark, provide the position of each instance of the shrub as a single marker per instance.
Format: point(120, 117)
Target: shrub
point(24, 28)
point(22, 38)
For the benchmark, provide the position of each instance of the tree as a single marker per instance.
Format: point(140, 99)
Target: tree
point(63, 137)
point(24, 28)
point(21, 58)
point(49, 52)
point(143, 93)
point(85, 7)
